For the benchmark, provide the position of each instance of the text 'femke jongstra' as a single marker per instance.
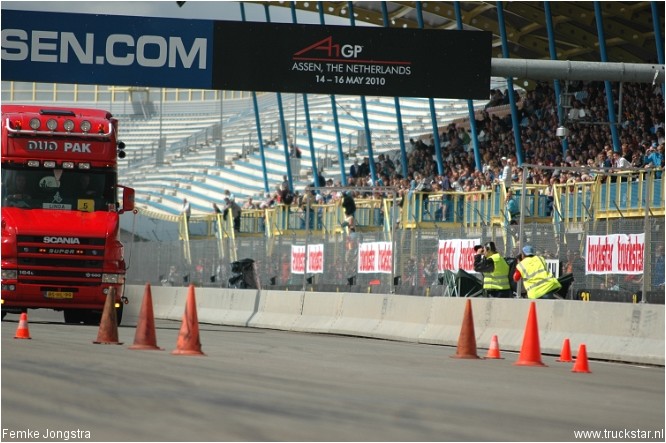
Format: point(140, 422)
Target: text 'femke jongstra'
point(46, 434)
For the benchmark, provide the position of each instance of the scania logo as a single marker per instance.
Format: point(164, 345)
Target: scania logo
point(66, 240)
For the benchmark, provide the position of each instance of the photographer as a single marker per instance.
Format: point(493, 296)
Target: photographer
point(538, 280)
point(495, 271)
point(478, 256)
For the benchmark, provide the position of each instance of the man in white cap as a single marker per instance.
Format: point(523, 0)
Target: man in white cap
point(538, 280)
point(505, 175)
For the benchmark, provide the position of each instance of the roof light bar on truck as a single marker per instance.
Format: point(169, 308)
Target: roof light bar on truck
point(52, 125)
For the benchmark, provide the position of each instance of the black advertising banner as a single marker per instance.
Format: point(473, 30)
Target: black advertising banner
point(252, 56)
point(244, 56)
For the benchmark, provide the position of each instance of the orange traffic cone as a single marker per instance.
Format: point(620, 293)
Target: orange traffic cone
point(108, 326)
point(467, 339)
point(494, 350)
point(565, 354)
point(22, 331)
point(188, 338)
point(144, 337)
point(530, 352)
point(581, 364)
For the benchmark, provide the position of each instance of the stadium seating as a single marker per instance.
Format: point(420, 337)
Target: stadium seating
point(190, 167)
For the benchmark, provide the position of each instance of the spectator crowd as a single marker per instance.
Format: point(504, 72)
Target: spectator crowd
point(589, 150)
point(590, 146)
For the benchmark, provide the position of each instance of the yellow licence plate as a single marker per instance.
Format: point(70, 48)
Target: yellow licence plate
point(59, 294)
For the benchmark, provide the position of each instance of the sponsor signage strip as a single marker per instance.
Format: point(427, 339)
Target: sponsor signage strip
point(246, 56)
point(456, 254)
point(375, 257)
point(106, 49)
point(315, 260)
point(615, 254)
point(352, 60)
point(553, 266)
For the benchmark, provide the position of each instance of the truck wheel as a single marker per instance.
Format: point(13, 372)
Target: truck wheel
point(95, 317)
point(119, 313)
point(77, 316)
point(92, 318)
point(73, 316)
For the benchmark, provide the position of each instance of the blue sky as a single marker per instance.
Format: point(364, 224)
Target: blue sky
point(206, 10)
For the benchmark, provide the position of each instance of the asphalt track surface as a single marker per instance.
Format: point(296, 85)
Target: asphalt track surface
point(266, 385)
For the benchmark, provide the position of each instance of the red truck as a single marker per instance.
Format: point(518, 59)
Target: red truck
point(61, 244)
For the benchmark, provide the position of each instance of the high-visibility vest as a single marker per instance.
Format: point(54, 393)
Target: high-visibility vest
point(538, 281)
point(498, 279)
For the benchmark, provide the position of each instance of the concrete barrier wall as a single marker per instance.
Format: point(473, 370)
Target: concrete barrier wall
point(403, 317)
point(243, 305)
point(360, 314)
point(506, 319)
point(611, 331)
point(320, 311)
point(277, 310)
point(445, 321)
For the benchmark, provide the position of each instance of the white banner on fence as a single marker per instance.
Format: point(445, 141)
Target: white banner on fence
point(456, 254)
point(297, 259)
point(553, 266)
point(315, 259)
point(615, 254)
point(375, 257)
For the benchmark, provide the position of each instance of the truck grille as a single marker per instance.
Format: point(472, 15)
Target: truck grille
point(58, 260)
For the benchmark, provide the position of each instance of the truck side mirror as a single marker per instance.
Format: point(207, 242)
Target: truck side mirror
point(128, 199)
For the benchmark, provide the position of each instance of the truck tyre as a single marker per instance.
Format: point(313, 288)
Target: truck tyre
point(95, 317)
point(119, 313)
point(92, 318)
point(74, 316)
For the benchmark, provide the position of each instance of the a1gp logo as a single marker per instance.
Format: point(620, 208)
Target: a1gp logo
point(351, 51)
point(332, 50)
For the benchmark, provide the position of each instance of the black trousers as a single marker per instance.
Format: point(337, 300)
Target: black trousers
point(506, 293)
point(549, 296)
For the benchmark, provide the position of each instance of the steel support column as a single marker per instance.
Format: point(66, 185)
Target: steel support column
point(553, 56)
point(398, 114)
point(609, 90)
point(258, 122)
point(308, 123)
point(433, 113)
point(509, 82)
point(470, 104)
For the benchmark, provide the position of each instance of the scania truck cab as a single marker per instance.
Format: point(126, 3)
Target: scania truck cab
point(61, 204)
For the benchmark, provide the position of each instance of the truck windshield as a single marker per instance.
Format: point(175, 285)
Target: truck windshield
point(64, 189)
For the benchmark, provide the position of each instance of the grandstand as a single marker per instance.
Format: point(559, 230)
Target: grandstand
point(197, 144)
point(198, 160)
point(193, 165)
